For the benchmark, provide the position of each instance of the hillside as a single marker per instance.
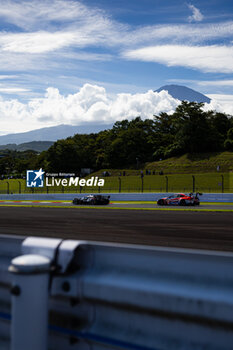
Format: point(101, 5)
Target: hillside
point(195, 163)
point(186, 164)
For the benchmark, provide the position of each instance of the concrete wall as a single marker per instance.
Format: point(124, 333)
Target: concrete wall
point(206, 197)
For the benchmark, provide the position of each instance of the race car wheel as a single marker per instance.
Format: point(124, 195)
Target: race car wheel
point(75, 201)
point(182, 202)
point(160, 202)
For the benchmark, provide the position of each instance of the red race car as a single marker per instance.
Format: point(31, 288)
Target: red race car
point(180, 199)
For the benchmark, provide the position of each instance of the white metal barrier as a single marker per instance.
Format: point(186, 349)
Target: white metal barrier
point(147, 196)
point(106, 296)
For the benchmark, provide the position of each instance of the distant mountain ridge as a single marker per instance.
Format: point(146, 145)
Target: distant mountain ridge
point(37, 146)
point(183, 93)
point(52, 133)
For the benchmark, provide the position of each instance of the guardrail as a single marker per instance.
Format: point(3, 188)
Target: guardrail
point(68, 294)
point(206, 197)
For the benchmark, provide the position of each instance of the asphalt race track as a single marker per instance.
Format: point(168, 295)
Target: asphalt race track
point(174, 228)
point(119, 205)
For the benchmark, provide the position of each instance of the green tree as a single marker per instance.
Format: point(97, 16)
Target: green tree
point(228, 144)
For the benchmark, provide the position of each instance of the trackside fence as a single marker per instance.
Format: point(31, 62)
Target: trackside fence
point(112, 296)
point(208, 183)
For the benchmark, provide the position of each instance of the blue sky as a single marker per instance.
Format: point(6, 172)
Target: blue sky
point(72, 62)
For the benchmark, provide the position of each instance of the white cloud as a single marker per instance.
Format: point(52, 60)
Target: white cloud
point(29, 15)
point(50, 25)
point(196, 16)
point(91, 104)
point(220, 103)
point(216, 83)
point(21, 62)
point(221, 98)
point(56, 32)
point(6, 77)
point(225, 82)
point(214, 58)
point(43, 41)
point(13, 90)
point(38, 42)
point(194, 33)
point(106, 33)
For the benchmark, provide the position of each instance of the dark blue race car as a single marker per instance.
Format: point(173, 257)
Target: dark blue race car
point(92, 200)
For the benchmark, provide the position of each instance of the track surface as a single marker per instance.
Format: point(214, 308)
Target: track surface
point(124, 205)
point(190, 229)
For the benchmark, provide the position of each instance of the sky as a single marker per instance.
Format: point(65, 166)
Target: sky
point(74, 62)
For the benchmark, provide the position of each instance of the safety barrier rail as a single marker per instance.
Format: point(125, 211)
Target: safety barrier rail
point(67, 294)
point(206, 197)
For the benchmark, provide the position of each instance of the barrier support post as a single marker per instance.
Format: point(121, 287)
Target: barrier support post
point(222, 183)
point(166, 178)
point(193, 183)
point(119, 184)
point(19, 187)
point(8, 187)
point(30, 281)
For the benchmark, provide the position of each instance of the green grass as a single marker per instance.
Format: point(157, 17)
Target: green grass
point(186, 164)
point(177, 171)
point(199, 163)
point(206, 182)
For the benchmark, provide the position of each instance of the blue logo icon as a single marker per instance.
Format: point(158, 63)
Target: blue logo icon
point(35, 178)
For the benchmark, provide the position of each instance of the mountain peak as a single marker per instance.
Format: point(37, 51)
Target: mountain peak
point(183, 93)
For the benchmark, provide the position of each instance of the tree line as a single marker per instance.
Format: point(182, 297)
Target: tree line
point(189, 129)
